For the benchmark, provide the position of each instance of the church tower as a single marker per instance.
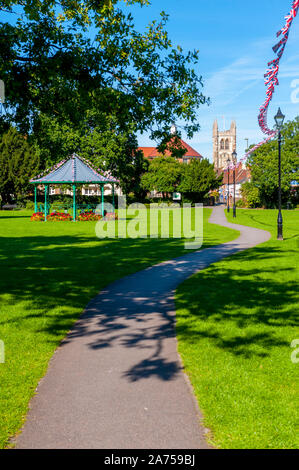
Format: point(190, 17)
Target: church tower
point(224, 144)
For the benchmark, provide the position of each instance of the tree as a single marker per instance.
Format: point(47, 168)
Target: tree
point(107, 149)
point(55, 140)
point(115, 151)
point(198, 178)
point(72, 10)
point(51, 65)
point(163, 175)
point(6, 186)
point(263, 164)
point(18, 162)
point(80, 77)
point(250, 194)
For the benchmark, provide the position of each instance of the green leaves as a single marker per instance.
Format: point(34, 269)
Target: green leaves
point(80, 77)
point(194, 180)
point(18, 163)
point(250, 194)
point(263, 164)
point(98, 139)
point(61, 68)
point(163, 175)
point(198, 179)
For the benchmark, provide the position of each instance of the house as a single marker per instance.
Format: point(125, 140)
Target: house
point(242, 174)
point(152, 152)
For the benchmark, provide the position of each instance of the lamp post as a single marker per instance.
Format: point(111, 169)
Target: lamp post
point(279, 118)
point(228, 162)
point(234, 155)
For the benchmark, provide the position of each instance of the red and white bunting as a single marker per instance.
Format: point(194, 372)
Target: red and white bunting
point(271, 78)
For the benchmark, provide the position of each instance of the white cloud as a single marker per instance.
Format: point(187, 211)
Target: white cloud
point(225, 85)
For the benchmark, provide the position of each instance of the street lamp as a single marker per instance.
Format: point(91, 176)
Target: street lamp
point(234, 155)
point(279, 118)
point(228, 162)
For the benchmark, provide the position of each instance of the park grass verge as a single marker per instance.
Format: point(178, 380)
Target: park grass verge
point(235, 322)
point(49, 272)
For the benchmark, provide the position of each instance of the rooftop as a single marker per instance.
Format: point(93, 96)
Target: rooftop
point(152, 152)
point(242, 174)
point(75, 169)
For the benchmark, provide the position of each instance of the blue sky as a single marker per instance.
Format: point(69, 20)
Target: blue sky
point(235, 40)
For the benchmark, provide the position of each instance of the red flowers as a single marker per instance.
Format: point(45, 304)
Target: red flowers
point(111, 216)
point(89, 215)
point(83, 216)
point(59, 216)
point(38, 216)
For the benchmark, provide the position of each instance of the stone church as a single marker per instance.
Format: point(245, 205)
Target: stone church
point(224, 143)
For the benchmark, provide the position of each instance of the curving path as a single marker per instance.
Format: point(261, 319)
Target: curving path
point(117, 381)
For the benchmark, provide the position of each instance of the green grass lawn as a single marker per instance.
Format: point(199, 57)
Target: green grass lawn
point(235, 323)
point(49, 272)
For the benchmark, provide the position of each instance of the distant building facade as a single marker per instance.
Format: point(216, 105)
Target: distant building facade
point(242, 175)
point(224, 144)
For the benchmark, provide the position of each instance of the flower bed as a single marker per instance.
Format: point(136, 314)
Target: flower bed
point(88, 215)
point(39, 216)
point(111, 216)
point(59, 216)
point(83, 216)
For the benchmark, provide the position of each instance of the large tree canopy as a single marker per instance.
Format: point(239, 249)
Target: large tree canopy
point(263, 165)
point(81, 12)
point(65, 58)
point(105, 146)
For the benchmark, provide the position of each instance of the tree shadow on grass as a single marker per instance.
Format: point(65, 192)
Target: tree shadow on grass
point(46, 282)
point(256, 221)
point(14, 215)
point(54, 278)
point(241, 309)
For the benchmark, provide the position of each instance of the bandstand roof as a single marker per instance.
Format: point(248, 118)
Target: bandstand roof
point(73, 170)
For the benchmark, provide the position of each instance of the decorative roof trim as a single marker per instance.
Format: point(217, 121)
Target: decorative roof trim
point(43, 178)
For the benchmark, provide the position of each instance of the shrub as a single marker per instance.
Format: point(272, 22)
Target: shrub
point(215, 194)
point(29, 205)
point(24, 203)
point(250, 195)
point(240, 203)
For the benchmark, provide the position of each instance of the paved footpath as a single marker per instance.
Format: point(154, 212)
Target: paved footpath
point(117, 381)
